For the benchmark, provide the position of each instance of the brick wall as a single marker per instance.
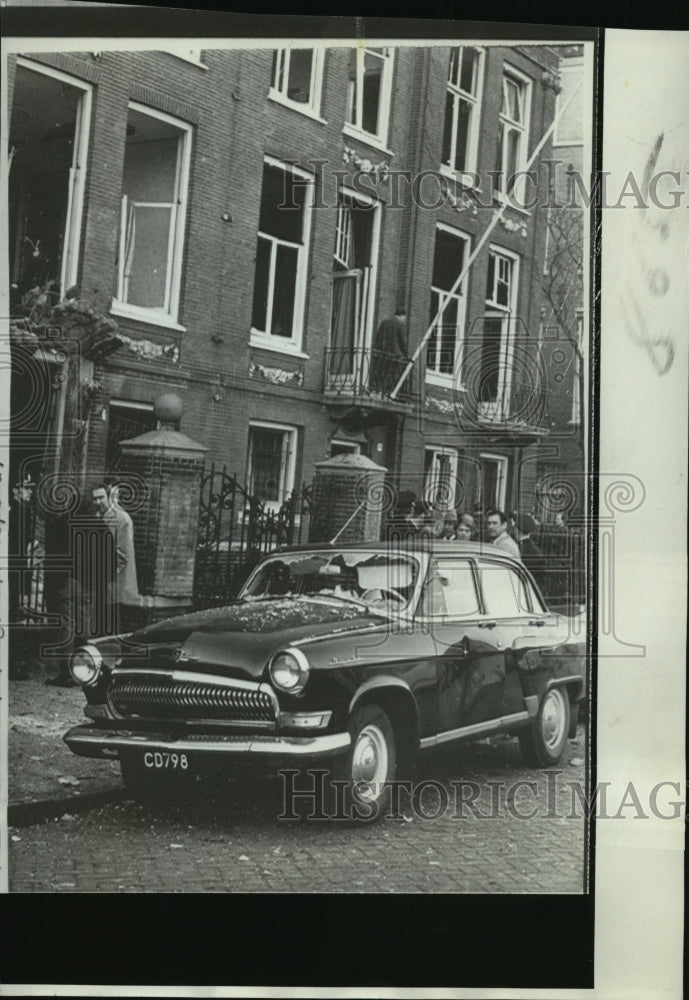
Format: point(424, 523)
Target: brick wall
point(235, 125)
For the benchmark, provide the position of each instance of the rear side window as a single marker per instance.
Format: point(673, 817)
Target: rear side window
point(504, 591)
point(450, 589)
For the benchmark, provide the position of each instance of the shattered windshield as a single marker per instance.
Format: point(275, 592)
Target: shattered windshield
point(378, 580)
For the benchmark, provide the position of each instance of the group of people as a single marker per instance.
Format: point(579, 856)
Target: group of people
point(511, 533)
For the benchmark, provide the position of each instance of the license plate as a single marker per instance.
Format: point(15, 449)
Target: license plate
point(166, 760)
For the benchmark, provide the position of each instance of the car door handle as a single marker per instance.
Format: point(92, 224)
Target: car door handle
point(487, 624)
point(538, 622)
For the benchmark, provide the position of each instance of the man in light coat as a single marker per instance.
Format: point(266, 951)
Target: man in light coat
point(498, 534)
point(124, 587)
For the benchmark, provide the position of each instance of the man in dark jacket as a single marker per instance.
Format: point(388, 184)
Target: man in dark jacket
point(390, 349)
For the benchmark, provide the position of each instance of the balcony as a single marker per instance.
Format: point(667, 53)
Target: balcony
point(523, 408)
point(367, 377)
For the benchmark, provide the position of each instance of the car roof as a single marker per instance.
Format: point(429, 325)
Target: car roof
point(413, 546)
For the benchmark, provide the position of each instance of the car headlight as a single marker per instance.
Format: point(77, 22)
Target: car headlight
point(289, 671)
point(85, 665)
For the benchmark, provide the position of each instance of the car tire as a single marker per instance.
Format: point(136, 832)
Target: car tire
point(544, 742)
point(367, 768)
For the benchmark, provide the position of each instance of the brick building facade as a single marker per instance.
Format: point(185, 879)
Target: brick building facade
point(249, 217)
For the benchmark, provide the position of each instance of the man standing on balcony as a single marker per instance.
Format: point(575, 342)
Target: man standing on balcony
point(497, 532)
point(389, 355)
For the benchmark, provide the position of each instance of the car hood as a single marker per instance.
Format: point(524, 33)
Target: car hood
point(238, 639)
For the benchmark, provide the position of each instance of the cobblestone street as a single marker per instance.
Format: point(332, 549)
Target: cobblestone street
point(233, 841)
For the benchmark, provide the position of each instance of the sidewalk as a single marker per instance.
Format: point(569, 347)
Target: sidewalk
point(46, 779)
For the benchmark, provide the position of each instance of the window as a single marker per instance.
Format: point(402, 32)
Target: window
point(450, 589)
point(48, 143)
point(440, 478)
point(462, 111)
point(153, 214)
point(368, 98)
point(188, 55)
point(281, 251)
point(494, 481)
point(345, 448)
point(512, 131)
point(495, 375)
point(126, 419)
point(504, 591)
point(354, 260)
point(271, 462)
point(446, 343)
point(296, 78)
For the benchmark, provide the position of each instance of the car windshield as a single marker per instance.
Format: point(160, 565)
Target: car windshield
point(380, 580)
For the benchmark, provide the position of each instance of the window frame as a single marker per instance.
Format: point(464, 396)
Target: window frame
point(378, 139)
point(486, 561)
point(503, 463)
point(345, 196)
point(433, 479)
point(438, 563)
point(261, 338)
point(313, 107)
point(287, 470)
point(456, 377)
point(465, 175)
point(495, 310)
point(523, 128)
point(74, 217)
point(167, 316)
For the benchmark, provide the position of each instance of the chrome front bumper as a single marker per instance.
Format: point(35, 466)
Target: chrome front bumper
point(87, 741)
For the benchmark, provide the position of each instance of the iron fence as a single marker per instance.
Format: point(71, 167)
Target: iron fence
point(236, 529)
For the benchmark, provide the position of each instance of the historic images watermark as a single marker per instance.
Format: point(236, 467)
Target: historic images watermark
point(528, 189)
point(313, 795)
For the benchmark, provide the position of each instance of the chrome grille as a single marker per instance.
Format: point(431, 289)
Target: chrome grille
point(170, 698)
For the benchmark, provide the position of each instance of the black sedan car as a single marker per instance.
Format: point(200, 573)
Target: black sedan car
point(353, 657)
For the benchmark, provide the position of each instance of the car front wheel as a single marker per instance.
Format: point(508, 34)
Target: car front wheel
point(544, 742)
point(369, 765)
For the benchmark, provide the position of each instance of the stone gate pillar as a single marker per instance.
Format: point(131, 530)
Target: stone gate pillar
point(348, 495)
point(165, 468)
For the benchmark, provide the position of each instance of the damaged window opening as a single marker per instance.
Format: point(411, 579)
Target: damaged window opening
point(48, 149)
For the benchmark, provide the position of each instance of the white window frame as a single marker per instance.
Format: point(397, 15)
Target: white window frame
point(378, 139)
point(313, 107)
point(364, 337)
point(433, 376)
point(69, 269)
point(289, 460)
point(433, 479)
point(168, 315)
point(261, 338)
point(506, 123)
point(500, 408)
point(192, 56)
point(464, 176)
point(502, 463)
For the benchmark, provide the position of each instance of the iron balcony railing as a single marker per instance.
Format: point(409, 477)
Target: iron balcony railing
point(520, 405)
point(365, 372)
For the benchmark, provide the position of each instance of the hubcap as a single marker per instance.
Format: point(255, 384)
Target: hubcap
point(553, 719)
point(369, 762)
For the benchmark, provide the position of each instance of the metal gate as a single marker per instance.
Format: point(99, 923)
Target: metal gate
point(236, 530)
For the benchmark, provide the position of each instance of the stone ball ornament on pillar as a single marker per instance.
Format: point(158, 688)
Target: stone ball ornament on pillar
point(168, 409)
